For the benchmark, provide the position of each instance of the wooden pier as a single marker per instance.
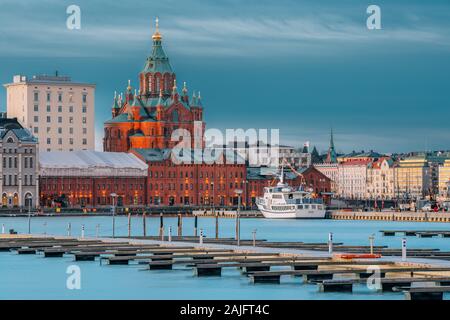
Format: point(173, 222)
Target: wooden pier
point(417, 233)
point(404, 216)
point(267, 262)
point(386, 284)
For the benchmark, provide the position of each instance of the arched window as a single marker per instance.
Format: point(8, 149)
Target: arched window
point(175, 117)
point(157, 83)
point(10, 140)
point(149, 83)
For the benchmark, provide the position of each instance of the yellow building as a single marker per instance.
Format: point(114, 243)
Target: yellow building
point(412, 178)
point(444, 179)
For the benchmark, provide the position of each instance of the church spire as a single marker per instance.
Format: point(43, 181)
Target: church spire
point(157, 36)
point(331, 155)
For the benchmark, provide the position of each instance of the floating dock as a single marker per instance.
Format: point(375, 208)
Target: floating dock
point(310, 264)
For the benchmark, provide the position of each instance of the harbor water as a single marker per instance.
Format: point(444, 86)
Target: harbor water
point(35, 277)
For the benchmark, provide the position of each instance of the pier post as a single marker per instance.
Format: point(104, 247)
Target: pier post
point(217, 225)
point(129, 224)
point(403, 249)
point(3, 228)
point(45, 227)
point(82, 231)
point(180, 225)
point(170, 233)
point(201, 236)
point(97, 230)
point(371, 238)
point(330, 243)
point(254, 237)
point(161, 226)
point(144, 224)
point(195, 225)
point(69, 229)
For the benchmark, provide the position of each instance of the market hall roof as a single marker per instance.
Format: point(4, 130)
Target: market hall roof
point(91, 163)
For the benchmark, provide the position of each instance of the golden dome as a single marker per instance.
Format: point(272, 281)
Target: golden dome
point(157, 35)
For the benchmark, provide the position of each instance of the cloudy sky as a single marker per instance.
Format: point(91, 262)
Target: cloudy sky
point(301, 66)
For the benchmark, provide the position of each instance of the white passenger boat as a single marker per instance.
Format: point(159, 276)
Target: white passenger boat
point(285, 202)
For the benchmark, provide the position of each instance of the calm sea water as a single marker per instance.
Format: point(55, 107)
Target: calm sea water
point(35, 277)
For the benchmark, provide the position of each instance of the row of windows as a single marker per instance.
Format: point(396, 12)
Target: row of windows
point(60, 119)
point(60, 96)
point(190, 174)
point(26, 150)
point(60, 141)
point(86, 187)
point(12, 180)
point(171, 186)
point(60, 108)
point(60, 130)
point(11, 162)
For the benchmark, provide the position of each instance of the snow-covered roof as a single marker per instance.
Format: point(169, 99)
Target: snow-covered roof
point(92, 163)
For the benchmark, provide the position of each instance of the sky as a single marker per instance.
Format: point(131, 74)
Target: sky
point(299, 66)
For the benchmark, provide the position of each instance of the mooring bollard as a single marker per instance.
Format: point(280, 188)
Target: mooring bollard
point(201, 236)
point(82, 231)
point(254, 237)
point(180, 225)
point(330, 243)
point(3, 228)
point(170, 233)
point(144, 224)
point(403, 249)
point(97, 230)
point(69, 229)
point(195, 225)
point(129, 224)
point(371, 238)
point(161, 226)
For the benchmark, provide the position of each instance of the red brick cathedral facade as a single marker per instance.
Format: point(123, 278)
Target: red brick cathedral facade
point(146, 118)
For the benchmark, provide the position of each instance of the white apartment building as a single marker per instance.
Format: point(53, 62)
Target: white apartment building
point(295, 157)
point(59, 112)
point(352, 179)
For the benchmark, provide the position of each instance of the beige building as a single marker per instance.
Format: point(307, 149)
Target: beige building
point(331, 171)
point(19, 187)
point(380, 179)
point(412, 178)
point(59, 112)
point(444, 180)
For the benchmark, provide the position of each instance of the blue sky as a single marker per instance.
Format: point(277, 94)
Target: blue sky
point(301, 66)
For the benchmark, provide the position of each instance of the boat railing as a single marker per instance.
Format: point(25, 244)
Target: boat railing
point(304, 201)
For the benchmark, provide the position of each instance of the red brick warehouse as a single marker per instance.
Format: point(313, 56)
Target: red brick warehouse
point(88, 178)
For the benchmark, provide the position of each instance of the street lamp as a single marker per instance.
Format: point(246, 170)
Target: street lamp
point(238, 217)
point(113, 196)
point(29, 213)
point(448, 189)
point(214, 210)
